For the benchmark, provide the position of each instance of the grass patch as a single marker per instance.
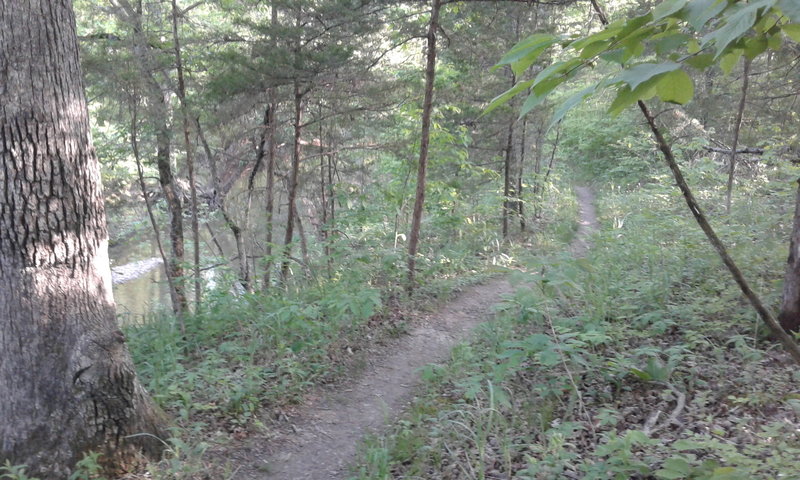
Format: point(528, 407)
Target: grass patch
point(640, 361)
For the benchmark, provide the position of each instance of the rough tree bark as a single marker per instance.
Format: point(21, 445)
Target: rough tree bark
point(427, 109)
point(67, 382)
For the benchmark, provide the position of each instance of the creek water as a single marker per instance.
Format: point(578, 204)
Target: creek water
point(138, 280)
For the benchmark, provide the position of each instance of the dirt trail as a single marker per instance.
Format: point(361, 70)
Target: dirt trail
point(326, 432)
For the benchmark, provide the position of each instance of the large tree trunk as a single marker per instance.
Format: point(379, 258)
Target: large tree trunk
point(67, 382)
point(422, 168)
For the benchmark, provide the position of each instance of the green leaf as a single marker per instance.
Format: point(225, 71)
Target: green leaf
point(667, 8)
point(543, 88)
point(774, 42)
point(531, 102)
point(593, 49)
point(549, 357)
point(790, 8)
point(728, 61)
point(693, 47)
point(727, 473)
point(556, 69)
point(626, 96)
point(504, 97)
point(618, 55)
point(684, 444)
point(670, 43)
point(520, 66)
point(674, 468)
point(668, 475)
point(675, 87)
point(701, 11)
point(634, 44)
point(570, 103)
point(524, 47)
point(644, 376)
point(610, 31)
point(736, 25)
point(755, 46)
point(792, 31)
point(634, 26)
point(644, 71)
point(701, 62)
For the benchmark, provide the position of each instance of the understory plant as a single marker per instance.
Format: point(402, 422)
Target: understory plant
point(639, 361)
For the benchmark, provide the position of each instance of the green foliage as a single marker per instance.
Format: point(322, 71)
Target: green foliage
point(14, 472)
point(88, 468)
point(678, 33)
point(277, 347)
point(565, 381)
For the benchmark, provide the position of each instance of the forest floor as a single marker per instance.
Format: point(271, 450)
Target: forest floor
point(319, 439)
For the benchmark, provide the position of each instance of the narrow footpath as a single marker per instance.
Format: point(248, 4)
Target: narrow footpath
point(324, 435)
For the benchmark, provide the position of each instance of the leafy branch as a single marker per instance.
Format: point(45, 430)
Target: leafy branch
point(678, 33)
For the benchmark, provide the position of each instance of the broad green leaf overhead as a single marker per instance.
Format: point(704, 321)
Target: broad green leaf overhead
point(653, 49)
point(675, 87)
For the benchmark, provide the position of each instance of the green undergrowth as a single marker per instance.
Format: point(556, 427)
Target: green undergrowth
point(244, 358)
point(641, 361)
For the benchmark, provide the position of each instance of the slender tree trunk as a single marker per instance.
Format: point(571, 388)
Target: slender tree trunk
point(272, 96)
point(251, 183)
point(67, 381)
point(789, 316)
point(270, 208)
point(158, 100)
point(788, 342)
point(173, 199)
point(292, 190)
point(220, 201)
point(427, 110)
point(755, 301)
point(301, 232)
point(549, 168)
point(173, 294)
point(332, 196)
point(324, 187)
point(736, 127)
point(509, 156)
point(214, 240)
point(520, 174)
point(189, 156)
point(537, 170)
